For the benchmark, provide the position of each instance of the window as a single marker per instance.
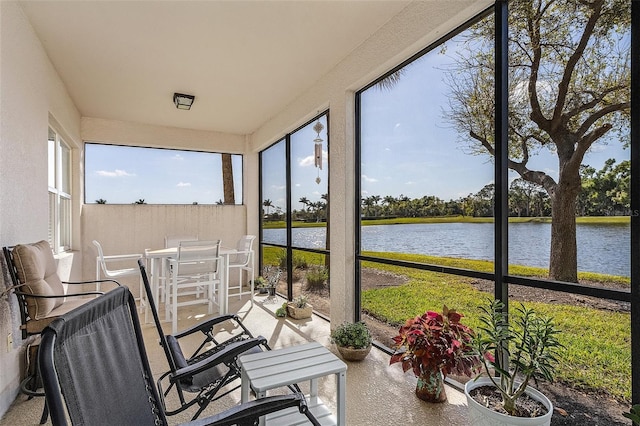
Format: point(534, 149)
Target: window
point(59, 182)
point(554, 178)
point(294, 202)
point(117, 174)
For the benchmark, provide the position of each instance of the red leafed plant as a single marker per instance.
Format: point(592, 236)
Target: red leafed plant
point(432, 342)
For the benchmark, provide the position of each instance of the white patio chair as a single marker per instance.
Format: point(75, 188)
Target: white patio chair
point(103, 270)
point(243, 260)
point(171, 241)
point(194, 271)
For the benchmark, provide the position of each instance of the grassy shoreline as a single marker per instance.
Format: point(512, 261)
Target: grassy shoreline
point(597, 355)
point(601, 220)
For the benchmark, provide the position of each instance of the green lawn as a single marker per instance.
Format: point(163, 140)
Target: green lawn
point(609, 220)
point(597, 355)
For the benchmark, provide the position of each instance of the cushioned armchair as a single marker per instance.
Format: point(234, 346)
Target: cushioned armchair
point(42, 296)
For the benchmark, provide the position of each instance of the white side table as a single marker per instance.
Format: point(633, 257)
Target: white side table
point(281, 367)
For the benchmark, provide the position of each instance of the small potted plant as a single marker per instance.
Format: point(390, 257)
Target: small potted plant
point(353, 340)
point(272, 275)
point(299, 308)
point(517, 351)
point(281, 312)
point(260, 283)
point(434, 345)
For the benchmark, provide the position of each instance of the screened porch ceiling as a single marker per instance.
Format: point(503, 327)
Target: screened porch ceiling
point(243, 60)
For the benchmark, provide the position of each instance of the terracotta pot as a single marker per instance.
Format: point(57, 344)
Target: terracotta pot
point(430, 387)
point(352, 354)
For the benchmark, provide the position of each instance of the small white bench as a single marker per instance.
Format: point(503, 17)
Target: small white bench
point(281, 367)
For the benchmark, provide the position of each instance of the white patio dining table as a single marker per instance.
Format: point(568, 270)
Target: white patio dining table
point(159, 266)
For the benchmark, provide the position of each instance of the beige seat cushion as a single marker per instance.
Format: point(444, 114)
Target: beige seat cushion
point(36, 268)
point(36, 326)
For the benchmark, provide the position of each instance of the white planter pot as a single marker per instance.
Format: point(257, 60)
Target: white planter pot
point(482, 416)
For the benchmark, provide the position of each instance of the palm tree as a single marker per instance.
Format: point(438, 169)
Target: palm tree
point(267, 203)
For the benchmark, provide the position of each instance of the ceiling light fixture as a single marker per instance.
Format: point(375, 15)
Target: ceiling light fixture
point(183, 101)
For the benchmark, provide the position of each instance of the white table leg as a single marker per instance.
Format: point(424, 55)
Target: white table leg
point(313, 393)
point(341, 379)
point(244, 387)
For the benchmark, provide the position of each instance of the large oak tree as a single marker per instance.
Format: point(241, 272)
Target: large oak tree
point(569, 84)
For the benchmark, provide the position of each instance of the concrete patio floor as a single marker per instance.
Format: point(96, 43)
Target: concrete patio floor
point(377, 394)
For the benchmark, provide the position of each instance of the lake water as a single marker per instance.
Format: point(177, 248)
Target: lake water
point(601, 248)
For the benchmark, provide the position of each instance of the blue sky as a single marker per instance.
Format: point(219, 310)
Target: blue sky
point(409, 149)
point(303, 170)
point(123, 175)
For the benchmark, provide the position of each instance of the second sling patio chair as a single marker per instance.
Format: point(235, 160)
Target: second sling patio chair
point(199, 378)
point(96, 371)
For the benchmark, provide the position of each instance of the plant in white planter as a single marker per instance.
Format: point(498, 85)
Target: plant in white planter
point(517, 351)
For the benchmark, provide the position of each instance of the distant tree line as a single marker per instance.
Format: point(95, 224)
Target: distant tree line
point(604, 192)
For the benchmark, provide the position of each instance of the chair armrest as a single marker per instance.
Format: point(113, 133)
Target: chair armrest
point(92, 282)
point(252, 410)
point(206, 326)
point(84, 293)
point(122, 257)
point(57, 296)
point(227, 356)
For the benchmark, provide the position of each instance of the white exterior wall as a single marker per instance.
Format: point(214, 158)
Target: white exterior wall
point(30, 94)
point(418, 25)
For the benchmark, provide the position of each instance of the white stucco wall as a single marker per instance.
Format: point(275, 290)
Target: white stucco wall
point(129, 229)
point(416, 27)
point(30, 93)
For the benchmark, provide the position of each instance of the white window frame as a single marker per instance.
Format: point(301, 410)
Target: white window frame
point(59, 185)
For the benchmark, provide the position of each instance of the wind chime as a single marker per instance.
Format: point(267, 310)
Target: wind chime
point(318, 148)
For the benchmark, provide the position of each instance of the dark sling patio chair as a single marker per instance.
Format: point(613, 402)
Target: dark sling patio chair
point(215, 359)
point(42, 297)
point(93, 362)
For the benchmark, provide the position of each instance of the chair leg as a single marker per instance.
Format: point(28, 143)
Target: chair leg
point(174, 306)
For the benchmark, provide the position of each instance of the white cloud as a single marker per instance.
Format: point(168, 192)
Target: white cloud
point(368, 179)
point(178, 157)
point(115, 173)
point(310, 159)
point(183, 184)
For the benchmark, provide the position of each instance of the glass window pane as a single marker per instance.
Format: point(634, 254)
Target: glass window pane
point(274, 194)
point(51, 148)
point(65, 223)
point(309, 185)
point(426, 189)
point(569, 197)
point(65, 169)
point(311, 279)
